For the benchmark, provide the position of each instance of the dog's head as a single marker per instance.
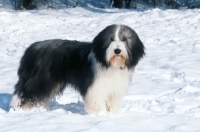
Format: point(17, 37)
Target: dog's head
point(118, 46)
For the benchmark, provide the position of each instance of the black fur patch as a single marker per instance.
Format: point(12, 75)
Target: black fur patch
point(49, 64)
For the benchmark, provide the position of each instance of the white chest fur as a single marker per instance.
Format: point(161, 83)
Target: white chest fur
point(108, 89)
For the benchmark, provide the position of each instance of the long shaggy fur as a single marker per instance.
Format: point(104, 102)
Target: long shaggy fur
point(100, 71)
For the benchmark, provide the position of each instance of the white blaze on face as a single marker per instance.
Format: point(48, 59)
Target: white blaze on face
point(117, 60)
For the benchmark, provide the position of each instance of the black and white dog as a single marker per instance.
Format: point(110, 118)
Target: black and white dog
point(101, 71)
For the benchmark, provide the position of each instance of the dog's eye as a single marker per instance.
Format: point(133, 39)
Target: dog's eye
point(112, 39)
point(123, 39)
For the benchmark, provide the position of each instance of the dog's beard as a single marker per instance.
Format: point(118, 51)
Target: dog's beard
point(117, 61)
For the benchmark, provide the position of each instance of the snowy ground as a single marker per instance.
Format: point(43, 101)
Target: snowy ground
point(164, 95)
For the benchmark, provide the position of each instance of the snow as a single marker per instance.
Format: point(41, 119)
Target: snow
point(164, 94)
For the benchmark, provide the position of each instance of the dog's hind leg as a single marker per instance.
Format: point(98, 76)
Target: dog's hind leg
point(35, 92)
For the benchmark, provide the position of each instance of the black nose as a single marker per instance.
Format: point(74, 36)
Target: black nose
point(117, 51)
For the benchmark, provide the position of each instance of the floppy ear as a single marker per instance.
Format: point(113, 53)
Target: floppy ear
point(137, 49)
point(101, 42)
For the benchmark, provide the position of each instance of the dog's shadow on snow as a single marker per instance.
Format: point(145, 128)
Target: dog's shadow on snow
point(75, 108)
point(5, 99)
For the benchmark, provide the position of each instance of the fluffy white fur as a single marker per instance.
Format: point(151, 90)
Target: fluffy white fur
point(15, 102)
point(106, 93)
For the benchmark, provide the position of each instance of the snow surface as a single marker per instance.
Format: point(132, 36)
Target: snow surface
point(164, 95)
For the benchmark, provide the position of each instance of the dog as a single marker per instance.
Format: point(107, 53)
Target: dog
point(100, 70)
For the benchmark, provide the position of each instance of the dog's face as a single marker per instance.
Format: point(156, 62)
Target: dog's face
point(118, 46)
point(116, 53)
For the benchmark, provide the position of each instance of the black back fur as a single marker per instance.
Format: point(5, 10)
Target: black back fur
point(53, 63)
